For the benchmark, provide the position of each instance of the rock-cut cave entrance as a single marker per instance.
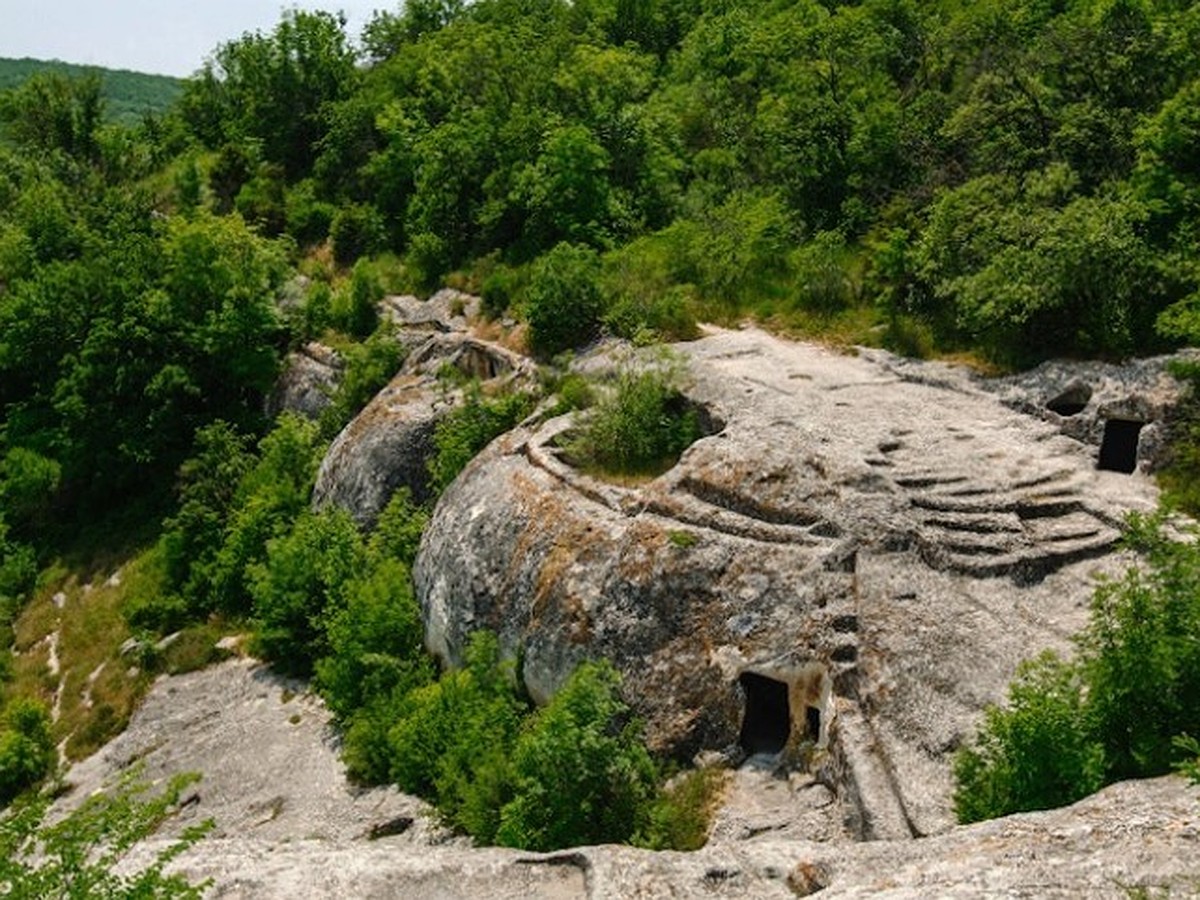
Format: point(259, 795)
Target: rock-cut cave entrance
point(767, 722)
point(1118, 449)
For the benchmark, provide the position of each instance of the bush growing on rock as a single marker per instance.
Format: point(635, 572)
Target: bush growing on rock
point(452, 739)
point(470, 428)
point(375, 641)
point(581, 774)
point(1035, 753)
point(639, 428)
point(1116, 711)
point(369, 367)
point(84, 854)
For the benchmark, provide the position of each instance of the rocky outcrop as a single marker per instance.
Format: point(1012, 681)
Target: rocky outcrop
point(1125, 411)
point(845, 573)
point(445, 312)
point(310, 377)
point(386, 445)
point(288, 826)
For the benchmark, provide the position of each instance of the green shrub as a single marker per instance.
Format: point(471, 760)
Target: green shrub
point(366, 748)
point(1189, 766)
point(308, 219)
point(582, 775)
point(1180, 476)
point(664, 316)
point(1116, 711)
point(500, 289)
point(84, 854)
point(356, 231)
point(301, 585)
point(563, 304)
point(680, 817)
point(27, 753)
point(18, 573)
point(470, 428)
point(269, 497)
point(353, 308)
point(28, 482)
point(261, 201)
point(639, 428)
point(735, 253)
point(451, 740)
point(375, 640)
point(192, 537)
point(1141, 655)
point(1035, 753)
point(820, 271)
point(369, 367)
point(398, 530)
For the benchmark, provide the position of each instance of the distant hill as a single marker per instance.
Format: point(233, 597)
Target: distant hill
point(129, 95)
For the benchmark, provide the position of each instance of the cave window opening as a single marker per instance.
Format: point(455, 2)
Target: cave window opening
point(767, 722)
point(1118, 449)
point(812, 724)
point(1071, 402)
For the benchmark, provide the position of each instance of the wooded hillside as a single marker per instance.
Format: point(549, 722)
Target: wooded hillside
point(129, 95)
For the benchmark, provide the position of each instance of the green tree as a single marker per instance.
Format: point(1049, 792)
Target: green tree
point(1141, 655)
point(451, 740)
point(302, 584)
point(1119, 710)
point(52, 113)
point(582, 775)
point(1035, 753)
point(27, 753)
point(192, 537)
point(376, 642)
point(563, 303)
point(273, 88)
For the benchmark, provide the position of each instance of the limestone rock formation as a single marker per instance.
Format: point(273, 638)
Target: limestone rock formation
point(1124, 410)
point(386, 445)
point(846, 573)
point(446, 311)
point(288, 826)
point(309, 379)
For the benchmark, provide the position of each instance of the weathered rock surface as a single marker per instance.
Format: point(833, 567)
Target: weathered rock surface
point(1081, 399)
point(309, 379)
point(289, 827)
point(445, 312)
point(386, 445)
point(848, 571)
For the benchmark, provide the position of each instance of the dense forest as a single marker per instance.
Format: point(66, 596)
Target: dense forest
point(1008, 179)
point(128, 96)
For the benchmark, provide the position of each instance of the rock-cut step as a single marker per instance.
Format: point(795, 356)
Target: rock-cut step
point(1035, 561)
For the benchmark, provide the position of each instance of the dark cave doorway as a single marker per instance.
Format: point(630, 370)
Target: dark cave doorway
point(767, 722)
point(1118, 449)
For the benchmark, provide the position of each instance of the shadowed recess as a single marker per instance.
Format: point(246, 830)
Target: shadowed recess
point(1118, 450)
point(768, 720)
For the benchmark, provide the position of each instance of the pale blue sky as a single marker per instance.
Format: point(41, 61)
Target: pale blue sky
point(171, 37)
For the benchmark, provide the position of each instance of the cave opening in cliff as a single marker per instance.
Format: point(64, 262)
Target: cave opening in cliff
point(768, 718)
point(1118, 449)
point(1072, 401)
